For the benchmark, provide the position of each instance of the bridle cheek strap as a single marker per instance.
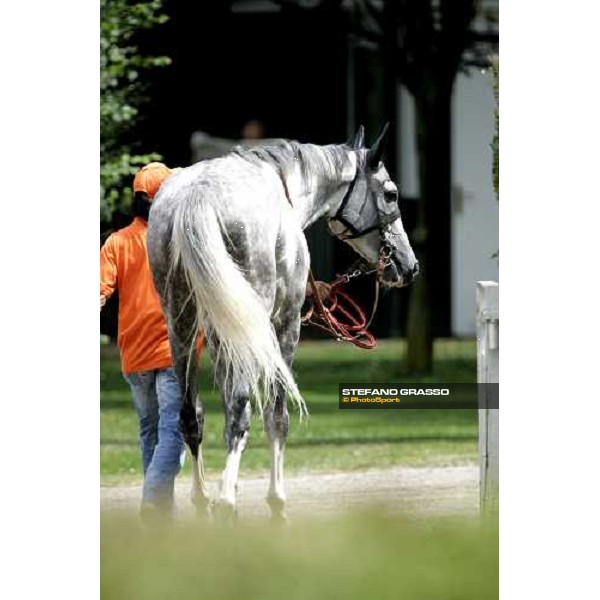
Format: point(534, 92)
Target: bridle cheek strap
point(352, 231)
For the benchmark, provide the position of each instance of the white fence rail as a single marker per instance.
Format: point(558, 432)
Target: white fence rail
point(487, 372)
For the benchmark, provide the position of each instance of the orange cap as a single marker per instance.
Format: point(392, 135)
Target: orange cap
point(149, 178)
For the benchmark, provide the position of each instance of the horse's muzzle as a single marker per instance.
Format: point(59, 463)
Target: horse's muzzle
point(394, 275)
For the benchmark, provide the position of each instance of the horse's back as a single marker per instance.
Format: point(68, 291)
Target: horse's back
point(230, 184)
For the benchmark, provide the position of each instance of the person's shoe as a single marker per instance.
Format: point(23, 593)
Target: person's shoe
point(153, 515)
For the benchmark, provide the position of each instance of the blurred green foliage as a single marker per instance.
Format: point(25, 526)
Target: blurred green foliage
point(355, 557)
point(122, 89)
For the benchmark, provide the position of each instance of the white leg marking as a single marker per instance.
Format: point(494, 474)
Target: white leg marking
point(199, 492)
point(276, 487)
point(229, 478)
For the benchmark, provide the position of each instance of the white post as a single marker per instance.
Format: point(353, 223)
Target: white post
point(487, 372)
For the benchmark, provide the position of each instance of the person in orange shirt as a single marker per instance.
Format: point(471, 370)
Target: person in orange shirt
point(144, 344)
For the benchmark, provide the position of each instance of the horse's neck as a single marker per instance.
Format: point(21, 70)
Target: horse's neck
point(323, 192)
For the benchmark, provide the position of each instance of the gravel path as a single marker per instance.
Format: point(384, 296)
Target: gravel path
point(418, 491)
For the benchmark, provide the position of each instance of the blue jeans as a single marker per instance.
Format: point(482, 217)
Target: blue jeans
point(157, 400)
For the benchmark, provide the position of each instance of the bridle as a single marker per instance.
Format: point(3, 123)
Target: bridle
point(352, 232)
point(355, 328)
point(352, 325)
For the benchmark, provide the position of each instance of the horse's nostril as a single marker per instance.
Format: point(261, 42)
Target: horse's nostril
point(410, 274)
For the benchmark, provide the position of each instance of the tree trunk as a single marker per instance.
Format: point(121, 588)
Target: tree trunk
point(429, 311)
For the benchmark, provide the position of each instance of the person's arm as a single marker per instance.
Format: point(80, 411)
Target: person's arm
point(108, 269)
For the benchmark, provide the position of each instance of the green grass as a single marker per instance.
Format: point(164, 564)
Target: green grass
point(331, 440)
point(352, 558)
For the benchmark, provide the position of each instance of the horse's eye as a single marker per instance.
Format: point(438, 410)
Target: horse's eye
point(390, 195)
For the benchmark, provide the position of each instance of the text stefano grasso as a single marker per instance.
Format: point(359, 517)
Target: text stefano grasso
point(396, 391)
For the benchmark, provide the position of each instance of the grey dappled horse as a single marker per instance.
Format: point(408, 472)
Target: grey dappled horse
point(228, 255)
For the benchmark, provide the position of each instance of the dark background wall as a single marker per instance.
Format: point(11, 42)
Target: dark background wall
point(286, 69)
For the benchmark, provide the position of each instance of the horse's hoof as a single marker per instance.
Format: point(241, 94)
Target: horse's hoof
point(225, 512)
point(202, 504)
point(280, 519)
point(278, 514)
point(201, 501)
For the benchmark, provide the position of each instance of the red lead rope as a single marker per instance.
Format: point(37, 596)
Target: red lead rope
point(342, 316)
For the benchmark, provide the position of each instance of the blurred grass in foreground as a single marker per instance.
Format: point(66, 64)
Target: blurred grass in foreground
point(356, 557)
point(332, 440)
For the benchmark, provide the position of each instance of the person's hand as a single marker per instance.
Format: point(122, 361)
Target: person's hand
point(102, 301)
point(323, 289)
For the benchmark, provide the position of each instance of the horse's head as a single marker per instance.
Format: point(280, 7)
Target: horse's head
point(368, 218)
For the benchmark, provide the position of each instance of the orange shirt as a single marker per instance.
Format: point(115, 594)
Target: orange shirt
point(143, 339)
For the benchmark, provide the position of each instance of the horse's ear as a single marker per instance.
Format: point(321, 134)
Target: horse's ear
point(375, 154)
point(359, 139)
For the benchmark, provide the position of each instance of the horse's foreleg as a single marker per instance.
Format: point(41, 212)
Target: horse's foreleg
point(276, 427)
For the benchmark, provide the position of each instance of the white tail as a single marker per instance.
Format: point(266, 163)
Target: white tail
point(228, 305)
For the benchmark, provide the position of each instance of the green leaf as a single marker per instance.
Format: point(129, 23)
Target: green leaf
point(122, 95)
